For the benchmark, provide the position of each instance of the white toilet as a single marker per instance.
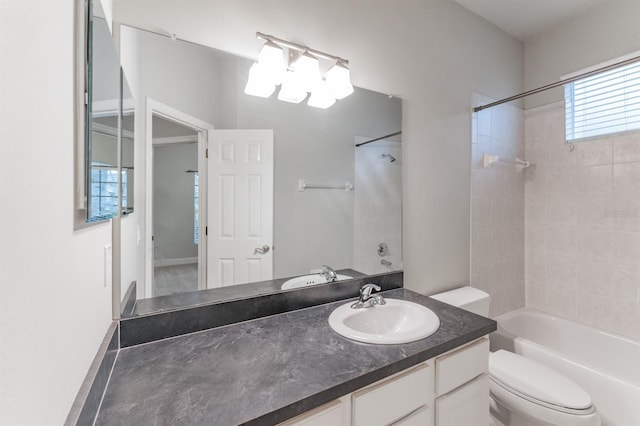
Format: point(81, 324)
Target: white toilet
point(523, 391)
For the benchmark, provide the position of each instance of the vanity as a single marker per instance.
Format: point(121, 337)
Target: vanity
point(292, 368)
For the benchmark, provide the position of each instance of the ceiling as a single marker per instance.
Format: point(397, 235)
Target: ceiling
point(524, 19)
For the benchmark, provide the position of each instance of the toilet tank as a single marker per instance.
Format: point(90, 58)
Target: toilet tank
point(467, 298)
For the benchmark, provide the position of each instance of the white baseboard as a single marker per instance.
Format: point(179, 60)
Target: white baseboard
point(173, 262)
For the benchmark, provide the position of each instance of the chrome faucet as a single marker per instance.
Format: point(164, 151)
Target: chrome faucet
point(366, 300)
point(329, 274)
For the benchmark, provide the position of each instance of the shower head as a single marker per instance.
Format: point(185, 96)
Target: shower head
point(389, 156)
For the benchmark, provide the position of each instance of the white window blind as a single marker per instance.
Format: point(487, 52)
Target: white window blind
point(603, 104)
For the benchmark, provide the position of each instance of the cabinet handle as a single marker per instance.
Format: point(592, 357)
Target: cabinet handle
point(403, 418)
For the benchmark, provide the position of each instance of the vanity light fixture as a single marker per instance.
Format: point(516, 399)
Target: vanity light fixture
point(292, 89)
point(307, 68)
point(339, 80)
point(259, 83)
point(299, 74)
point(322, 96)
point(271, 61)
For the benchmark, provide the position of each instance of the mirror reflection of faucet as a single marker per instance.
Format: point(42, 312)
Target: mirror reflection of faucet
point(329, 273)
point(385, 262)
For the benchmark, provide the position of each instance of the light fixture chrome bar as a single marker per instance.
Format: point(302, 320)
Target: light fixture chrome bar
point(300, 47)
point(559, 83)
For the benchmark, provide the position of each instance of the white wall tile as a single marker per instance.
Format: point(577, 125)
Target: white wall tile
point(582, 221)
point(626, 248)
point(536, 240)
point(484, 122)
point(594, 246)
point(560, 182)
point(594, 181)
point(535, 296)
point(594, 278)
point(561, 212)
point(626, 148)
point(625, 214)
point(626, 179)
point(535, 212)
point(497, 210)
point(592, 214)
point(559, 154)
point(535, 269)
point(561, 272)
point(594, 152)
point(561, 242)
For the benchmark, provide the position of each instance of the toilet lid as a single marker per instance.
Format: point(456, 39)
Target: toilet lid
point(537, 381)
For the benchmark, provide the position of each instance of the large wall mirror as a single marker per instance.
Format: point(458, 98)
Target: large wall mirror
point(240, 195)
point(107, 143)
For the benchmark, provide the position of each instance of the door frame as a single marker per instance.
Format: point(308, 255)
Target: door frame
point(205, 138)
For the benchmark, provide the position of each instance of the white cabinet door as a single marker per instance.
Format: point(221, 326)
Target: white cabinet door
point(335, 413)
point(467, 405)
point(240, 207)
point(394, 399)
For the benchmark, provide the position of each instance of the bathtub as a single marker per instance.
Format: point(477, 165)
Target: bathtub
point(604, 364)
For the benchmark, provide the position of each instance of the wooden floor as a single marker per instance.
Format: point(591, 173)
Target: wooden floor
point(175, 279)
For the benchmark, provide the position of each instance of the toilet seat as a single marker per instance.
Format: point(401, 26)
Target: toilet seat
point(538, 384)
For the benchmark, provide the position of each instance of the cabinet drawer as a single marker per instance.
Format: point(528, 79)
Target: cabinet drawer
point(468, 405)
point(394, 399)
point(458, 367)
point(423, 416)
point(333, 413)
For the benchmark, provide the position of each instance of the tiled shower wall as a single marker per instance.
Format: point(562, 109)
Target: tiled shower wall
point(582, 224)
point(377, 206)
point(497, 206)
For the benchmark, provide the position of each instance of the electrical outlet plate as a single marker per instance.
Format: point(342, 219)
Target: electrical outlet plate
point(108, 272)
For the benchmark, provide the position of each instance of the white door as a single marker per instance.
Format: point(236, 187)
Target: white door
point(240, 207)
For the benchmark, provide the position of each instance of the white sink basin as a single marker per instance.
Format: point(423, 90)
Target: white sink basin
point(307, 280)
point(398, 321)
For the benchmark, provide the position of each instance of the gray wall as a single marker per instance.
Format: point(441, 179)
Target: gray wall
point(173, 201)
point(598, 35)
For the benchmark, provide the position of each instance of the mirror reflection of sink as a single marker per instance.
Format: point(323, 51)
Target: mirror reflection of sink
point(398, 321)
point(311, 279)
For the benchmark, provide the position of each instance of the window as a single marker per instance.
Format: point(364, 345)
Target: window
point(603, 104)
point(104, 190)
point(196, 222)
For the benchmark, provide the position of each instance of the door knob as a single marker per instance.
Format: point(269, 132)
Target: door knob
point(262, 250)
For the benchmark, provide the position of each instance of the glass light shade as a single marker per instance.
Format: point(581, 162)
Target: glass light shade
point(307, 68)
point(259, 82)
point(271, 61)
point(292, 89)
point(339, 81)
point(321, 97)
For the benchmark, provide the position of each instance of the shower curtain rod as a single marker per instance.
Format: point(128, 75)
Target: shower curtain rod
point(559, 83)
point(380, 138)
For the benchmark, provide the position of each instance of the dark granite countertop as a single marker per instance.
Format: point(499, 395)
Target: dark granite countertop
point(264, 371)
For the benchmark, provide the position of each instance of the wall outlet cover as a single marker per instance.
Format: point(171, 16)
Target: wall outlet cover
point(108, 273)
